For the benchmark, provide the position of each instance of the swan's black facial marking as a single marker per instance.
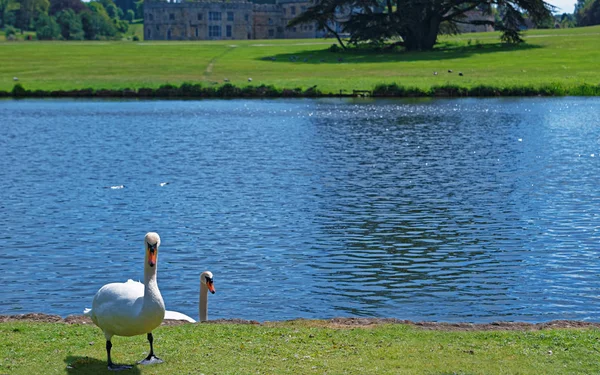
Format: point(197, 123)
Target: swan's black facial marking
point(152, 250)
point(209, 284)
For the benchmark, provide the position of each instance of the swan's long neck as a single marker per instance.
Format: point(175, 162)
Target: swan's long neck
point(203, 303)
point(152, 294)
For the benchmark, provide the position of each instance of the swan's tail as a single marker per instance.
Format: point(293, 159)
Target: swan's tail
point(87, 312)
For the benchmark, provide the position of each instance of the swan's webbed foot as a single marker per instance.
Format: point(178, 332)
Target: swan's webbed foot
point(115, 367)
point(112, 366)
point(150, 360)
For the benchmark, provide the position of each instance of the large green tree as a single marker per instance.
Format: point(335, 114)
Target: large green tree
point(97, 23)
point(70, 24)
point(587, 12)
point(29, 11)
point(47, 28)
point(417, 22)
point(56, 6)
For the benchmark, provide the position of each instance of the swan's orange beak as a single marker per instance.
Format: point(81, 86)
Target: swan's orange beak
point(151, 258)
point(211, 286)
point(152, 252)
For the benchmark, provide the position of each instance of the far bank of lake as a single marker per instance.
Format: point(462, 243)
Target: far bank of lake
point(551, 62)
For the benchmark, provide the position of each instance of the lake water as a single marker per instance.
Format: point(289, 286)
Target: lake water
point(451, 210)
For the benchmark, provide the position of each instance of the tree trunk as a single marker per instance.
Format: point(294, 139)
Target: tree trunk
point(423, 35)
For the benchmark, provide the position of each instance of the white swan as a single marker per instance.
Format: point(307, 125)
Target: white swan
point(206, 284)
point(131, 308)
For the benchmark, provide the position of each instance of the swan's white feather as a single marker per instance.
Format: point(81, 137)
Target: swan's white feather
point(174, 315)
point(117, 309)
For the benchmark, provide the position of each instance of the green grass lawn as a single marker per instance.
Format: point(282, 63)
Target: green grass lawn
point(568, 57)
point(300, 347)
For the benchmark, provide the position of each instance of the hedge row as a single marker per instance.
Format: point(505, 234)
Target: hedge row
point(554, 89)
point(188, 90)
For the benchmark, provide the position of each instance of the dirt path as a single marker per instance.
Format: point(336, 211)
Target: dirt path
point(338, 323)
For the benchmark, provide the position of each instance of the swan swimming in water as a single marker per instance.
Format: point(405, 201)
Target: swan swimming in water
point(131, 308)
point(206, 285)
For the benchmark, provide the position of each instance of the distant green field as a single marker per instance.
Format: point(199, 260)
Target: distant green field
point(568, 57)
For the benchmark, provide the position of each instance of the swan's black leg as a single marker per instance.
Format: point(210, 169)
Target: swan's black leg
point(111, 365)
point(151, 358)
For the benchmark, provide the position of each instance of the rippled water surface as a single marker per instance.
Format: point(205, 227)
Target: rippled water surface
point(449, 210)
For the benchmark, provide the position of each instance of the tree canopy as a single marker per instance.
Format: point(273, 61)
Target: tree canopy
point(64, 19)
point(587, 12)
point(418, 22)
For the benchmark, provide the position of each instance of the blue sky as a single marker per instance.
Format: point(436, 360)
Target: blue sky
point(566, 6)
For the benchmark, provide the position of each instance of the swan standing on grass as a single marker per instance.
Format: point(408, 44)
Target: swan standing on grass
point(206, 284)
point(131, 308)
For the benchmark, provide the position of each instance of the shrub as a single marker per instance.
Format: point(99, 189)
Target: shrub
point(19, 91)
point(335, 48)
point(228, 91)
point(10, 31)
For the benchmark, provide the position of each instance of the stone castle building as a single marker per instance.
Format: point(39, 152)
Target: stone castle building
point(223, 20)
point(239, 19)
point(476, 15)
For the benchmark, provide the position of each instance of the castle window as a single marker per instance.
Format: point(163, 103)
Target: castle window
point(246, 17)
point(303, 9)
point(214, 16)
point(293, 29)
point(171, 16)
point(151, 17)
point(228, 31)
point(199, 16)
point(284, 11)
point(229, 16)
point(197, 32)
point(271, 33)
point(169, 34)
point(270, 21)
point(148, 33)
point(293, 9)
point(214, 31)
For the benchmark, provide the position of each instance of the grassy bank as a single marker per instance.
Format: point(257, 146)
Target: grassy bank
point(301, 347)
point(563, 58)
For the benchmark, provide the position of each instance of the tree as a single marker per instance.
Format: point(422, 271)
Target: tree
point(567, 21)
point(29, 11)
point(3, 11)
point(587, 12)
point(418, 22)
point(70, 24)
point(46, 28)
point(56, 6)
point(139, 9)
point(125, 5)
point(130, 16)
point(112, 9)
point(96, 22)
point(325, 15)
